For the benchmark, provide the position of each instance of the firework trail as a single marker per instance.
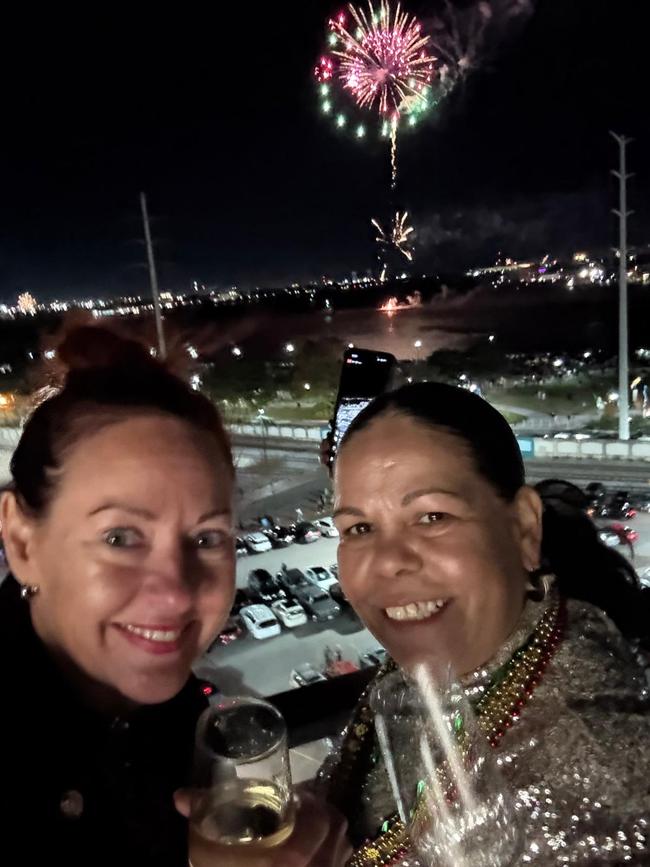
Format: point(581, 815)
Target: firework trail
point(397, 237)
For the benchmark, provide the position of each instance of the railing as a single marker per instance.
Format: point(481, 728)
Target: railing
point(320, 710)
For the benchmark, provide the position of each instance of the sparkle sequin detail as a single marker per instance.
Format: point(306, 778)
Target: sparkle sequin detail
point(576, 759)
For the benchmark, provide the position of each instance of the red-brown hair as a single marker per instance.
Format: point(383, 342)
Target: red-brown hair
point(104, 378)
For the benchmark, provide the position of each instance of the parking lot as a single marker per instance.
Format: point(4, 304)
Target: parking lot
point(263, 666)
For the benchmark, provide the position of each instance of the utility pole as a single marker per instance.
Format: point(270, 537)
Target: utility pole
point(153, 277)
point(623, 343)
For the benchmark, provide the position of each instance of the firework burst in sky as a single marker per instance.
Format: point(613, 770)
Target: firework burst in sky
point(398, 236)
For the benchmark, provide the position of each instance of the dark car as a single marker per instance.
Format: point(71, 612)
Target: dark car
point(263, 587)
point(306, 532)
point(241, 599)
point(641, 502)
point(306, 674)
point(278, 536)
point(230, 632)
point(291, 579)
point(618, 509)
point(595, 490)
point(373, 657)
point(318, 604)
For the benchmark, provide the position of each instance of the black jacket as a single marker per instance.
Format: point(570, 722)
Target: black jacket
point(78, 788)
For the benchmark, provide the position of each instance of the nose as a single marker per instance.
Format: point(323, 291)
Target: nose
point(169, 580)
point(395, 556)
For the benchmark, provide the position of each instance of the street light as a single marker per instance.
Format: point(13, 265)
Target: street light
point(418, 346)
point(307, 386)
point(263, 422)
point(289, 347)
point(236, 351)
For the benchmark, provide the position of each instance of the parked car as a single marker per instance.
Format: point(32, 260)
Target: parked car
point(337, 594)
point(621, 510)
point(289, 613)
point(241, 599)
point(279, 537)
point(644, 577)
point(318, 604)
point(263, 587)
point(626, 534)
point(373, 657)
point(306, 674)
point(240, 548)
point(609, 538)
point(291, 579)
point(320, 576)
point(257, 542)
point(230, 632)
point(596, 490)
point(641, 502)
point(306, 532)
point(327, 528)
point(260, 621)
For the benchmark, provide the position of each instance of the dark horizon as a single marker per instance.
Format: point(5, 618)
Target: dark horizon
point(215, 117)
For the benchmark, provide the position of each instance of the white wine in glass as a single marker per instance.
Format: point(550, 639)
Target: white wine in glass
point(241, 801)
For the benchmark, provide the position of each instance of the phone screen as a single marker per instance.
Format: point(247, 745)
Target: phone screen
point(364, 376)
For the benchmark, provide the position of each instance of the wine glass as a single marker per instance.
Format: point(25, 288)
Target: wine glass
point(447, 787)
point(241, 797)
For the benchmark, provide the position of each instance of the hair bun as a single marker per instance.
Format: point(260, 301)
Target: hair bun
point(89, 346)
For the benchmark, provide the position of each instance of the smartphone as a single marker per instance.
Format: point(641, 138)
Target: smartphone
point(364, 376)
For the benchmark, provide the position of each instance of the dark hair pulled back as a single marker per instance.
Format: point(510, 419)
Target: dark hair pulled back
point(585, 568)
point(101, 378)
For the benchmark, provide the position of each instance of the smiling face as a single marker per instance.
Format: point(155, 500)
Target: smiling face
point(134, 557)
point(431, 557)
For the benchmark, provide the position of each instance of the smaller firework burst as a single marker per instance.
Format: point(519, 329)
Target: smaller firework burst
point(397, 237)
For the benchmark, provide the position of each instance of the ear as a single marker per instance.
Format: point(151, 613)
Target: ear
point(528, 518)
point(18, 537)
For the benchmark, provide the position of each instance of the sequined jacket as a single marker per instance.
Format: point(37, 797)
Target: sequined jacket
point(577, 759)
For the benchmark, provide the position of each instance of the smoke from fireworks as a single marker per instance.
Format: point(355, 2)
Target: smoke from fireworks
point(398, 235)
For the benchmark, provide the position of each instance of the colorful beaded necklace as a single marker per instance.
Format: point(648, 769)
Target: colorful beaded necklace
point(496, 711)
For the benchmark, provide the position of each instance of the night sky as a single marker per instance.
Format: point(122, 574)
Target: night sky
point(211, 109)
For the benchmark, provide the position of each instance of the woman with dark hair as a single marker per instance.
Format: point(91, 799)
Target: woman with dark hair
point(445, 552)
point(118, 532)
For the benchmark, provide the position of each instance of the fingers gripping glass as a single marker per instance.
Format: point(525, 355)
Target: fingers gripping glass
point(242, 797)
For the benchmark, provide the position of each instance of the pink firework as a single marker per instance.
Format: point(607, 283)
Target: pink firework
point(385, 63)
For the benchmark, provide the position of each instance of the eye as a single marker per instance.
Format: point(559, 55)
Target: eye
point(433, 518)
point(361, 529)
point(209, 539)
point(123, 537)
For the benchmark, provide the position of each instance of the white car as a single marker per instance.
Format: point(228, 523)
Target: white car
point(257, 543)
point(289, 613)
point(321, 577)
point(260, 621)
point(327, 528)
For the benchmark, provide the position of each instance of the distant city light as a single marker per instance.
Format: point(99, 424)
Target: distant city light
point(49, 354)
point(192, 352)
point(236, 351)
point(307, 386)
point(612, 396)
point(195, 381)
point(587, 354)
point(289, 347)
point(491, 338)
point(417, 344)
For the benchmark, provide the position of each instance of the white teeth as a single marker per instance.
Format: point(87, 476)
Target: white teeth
point(154, 634)
point(415, 610)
